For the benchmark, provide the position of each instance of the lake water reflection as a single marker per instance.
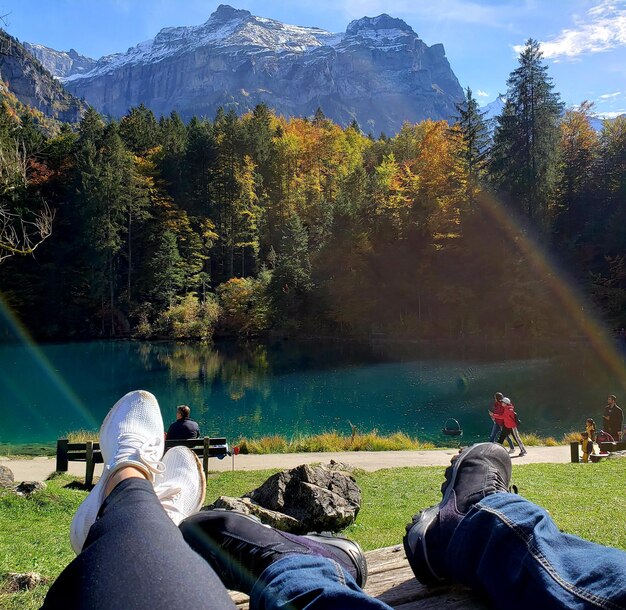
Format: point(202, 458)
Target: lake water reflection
point(299, 388)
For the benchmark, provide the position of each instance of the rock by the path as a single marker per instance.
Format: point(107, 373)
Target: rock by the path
point(16, 581)
point(7, 480)
point(26, 488)
point(319, 497)
point(280, 521)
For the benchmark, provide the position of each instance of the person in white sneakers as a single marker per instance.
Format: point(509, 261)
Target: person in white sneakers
point(132, 555)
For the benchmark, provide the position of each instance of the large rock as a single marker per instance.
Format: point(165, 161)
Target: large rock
point(276, 519)
point(7, 479)
point(320, 498)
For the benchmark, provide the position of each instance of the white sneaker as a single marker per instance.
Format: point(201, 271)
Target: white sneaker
point(131, 435)
point(511, 450)
point(182, 487)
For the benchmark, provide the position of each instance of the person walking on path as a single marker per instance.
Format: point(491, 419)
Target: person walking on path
point(184, 427)
point(498, 420)
point(613, 418)
point(510, 425)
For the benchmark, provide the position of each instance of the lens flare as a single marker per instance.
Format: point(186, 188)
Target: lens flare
point(37, 360)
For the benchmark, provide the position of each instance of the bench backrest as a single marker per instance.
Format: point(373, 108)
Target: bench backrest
point(204, 447)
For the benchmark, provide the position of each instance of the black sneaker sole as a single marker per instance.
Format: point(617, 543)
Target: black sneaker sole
point(414, 543)
point(350, 548)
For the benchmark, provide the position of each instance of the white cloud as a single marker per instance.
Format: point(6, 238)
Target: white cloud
point(608, 96)
point(602, 28)
point(611, 114)
point(481, 93)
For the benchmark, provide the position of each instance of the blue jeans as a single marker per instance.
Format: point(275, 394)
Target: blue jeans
point(136, 558)
point(510, 550)
point(309, 582)
point(495, 433)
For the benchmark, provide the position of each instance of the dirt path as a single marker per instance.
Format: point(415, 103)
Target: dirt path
point(38, 469)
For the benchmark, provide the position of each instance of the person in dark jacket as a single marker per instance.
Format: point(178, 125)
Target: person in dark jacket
point(183, 428)
point(613, 418)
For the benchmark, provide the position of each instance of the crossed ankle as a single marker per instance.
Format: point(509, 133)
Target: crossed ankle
point(126, 472)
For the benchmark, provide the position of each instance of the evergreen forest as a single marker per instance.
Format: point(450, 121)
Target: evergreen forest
point(247, 225)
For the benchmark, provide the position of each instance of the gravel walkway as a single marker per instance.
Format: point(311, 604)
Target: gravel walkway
point(38, 469)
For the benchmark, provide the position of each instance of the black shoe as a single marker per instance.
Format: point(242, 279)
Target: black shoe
point(239, 547)
point(477, 472)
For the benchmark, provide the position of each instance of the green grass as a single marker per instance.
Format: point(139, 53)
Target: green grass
point(27, 450)
point(583, 499)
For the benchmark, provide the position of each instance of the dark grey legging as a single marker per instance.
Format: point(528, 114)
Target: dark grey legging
point(135, 557)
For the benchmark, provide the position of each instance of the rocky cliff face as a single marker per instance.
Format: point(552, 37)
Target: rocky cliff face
point(378, 72)
point(33, 85)
point(61, 63)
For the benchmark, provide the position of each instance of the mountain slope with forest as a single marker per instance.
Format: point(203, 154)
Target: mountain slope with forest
point(33, 85)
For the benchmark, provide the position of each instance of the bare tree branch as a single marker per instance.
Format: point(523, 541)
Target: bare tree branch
point(20, 234)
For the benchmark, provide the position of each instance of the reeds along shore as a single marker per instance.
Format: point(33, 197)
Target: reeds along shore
point(333, 441)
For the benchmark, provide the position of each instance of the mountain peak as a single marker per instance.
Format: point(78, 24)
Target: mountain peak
point(382, 22)
point(225, 12)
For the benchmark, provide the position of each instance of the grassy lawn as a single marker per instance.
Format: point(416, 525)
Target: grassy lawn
point(583, 499)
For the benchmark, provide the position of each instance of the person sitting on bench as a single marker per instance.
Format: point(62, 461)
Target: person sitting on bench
point(184, 427)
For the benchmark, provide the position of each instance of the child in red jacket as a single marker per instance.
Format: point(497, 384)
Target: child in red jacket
point(510, 425)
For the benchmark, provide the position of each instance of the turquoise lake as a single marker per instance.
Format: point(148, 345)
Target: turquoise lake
point(299, 388)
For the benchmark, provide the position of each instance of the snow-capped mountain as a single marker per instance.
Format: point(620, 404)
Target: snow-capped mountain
point(493, 109)
point(378, 71)
point(60, 63)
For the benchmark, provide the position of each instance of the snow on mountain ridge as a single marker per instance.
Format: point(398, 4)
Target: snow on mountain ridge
point(226, 27)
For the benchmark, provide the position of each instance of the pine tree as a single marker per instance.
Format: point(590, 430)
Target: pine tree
point(474, 134)
point(525, 153)
point(166, 272)
point(291, 280)
point(139, 130)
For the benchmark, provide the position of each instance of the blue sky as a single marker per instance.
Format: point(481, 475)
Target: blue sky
point(584, 41)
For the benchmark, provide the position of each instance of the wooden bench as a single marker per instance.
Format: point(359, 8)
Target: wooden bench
point(89, 452)
point(392, 581)
point(604, 449)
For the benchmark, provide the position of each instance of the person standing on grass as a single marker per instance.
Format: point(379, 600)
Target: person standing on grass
point(613, 418)
point(184, 427)
point(498, 420)
point(510, 425)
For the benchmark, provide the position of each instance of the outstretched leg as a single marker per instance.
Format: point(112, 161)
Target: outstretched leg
point(506, 547)
point(135, 557)
point(510, 549)
point(130, 552)
point(281, 571)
